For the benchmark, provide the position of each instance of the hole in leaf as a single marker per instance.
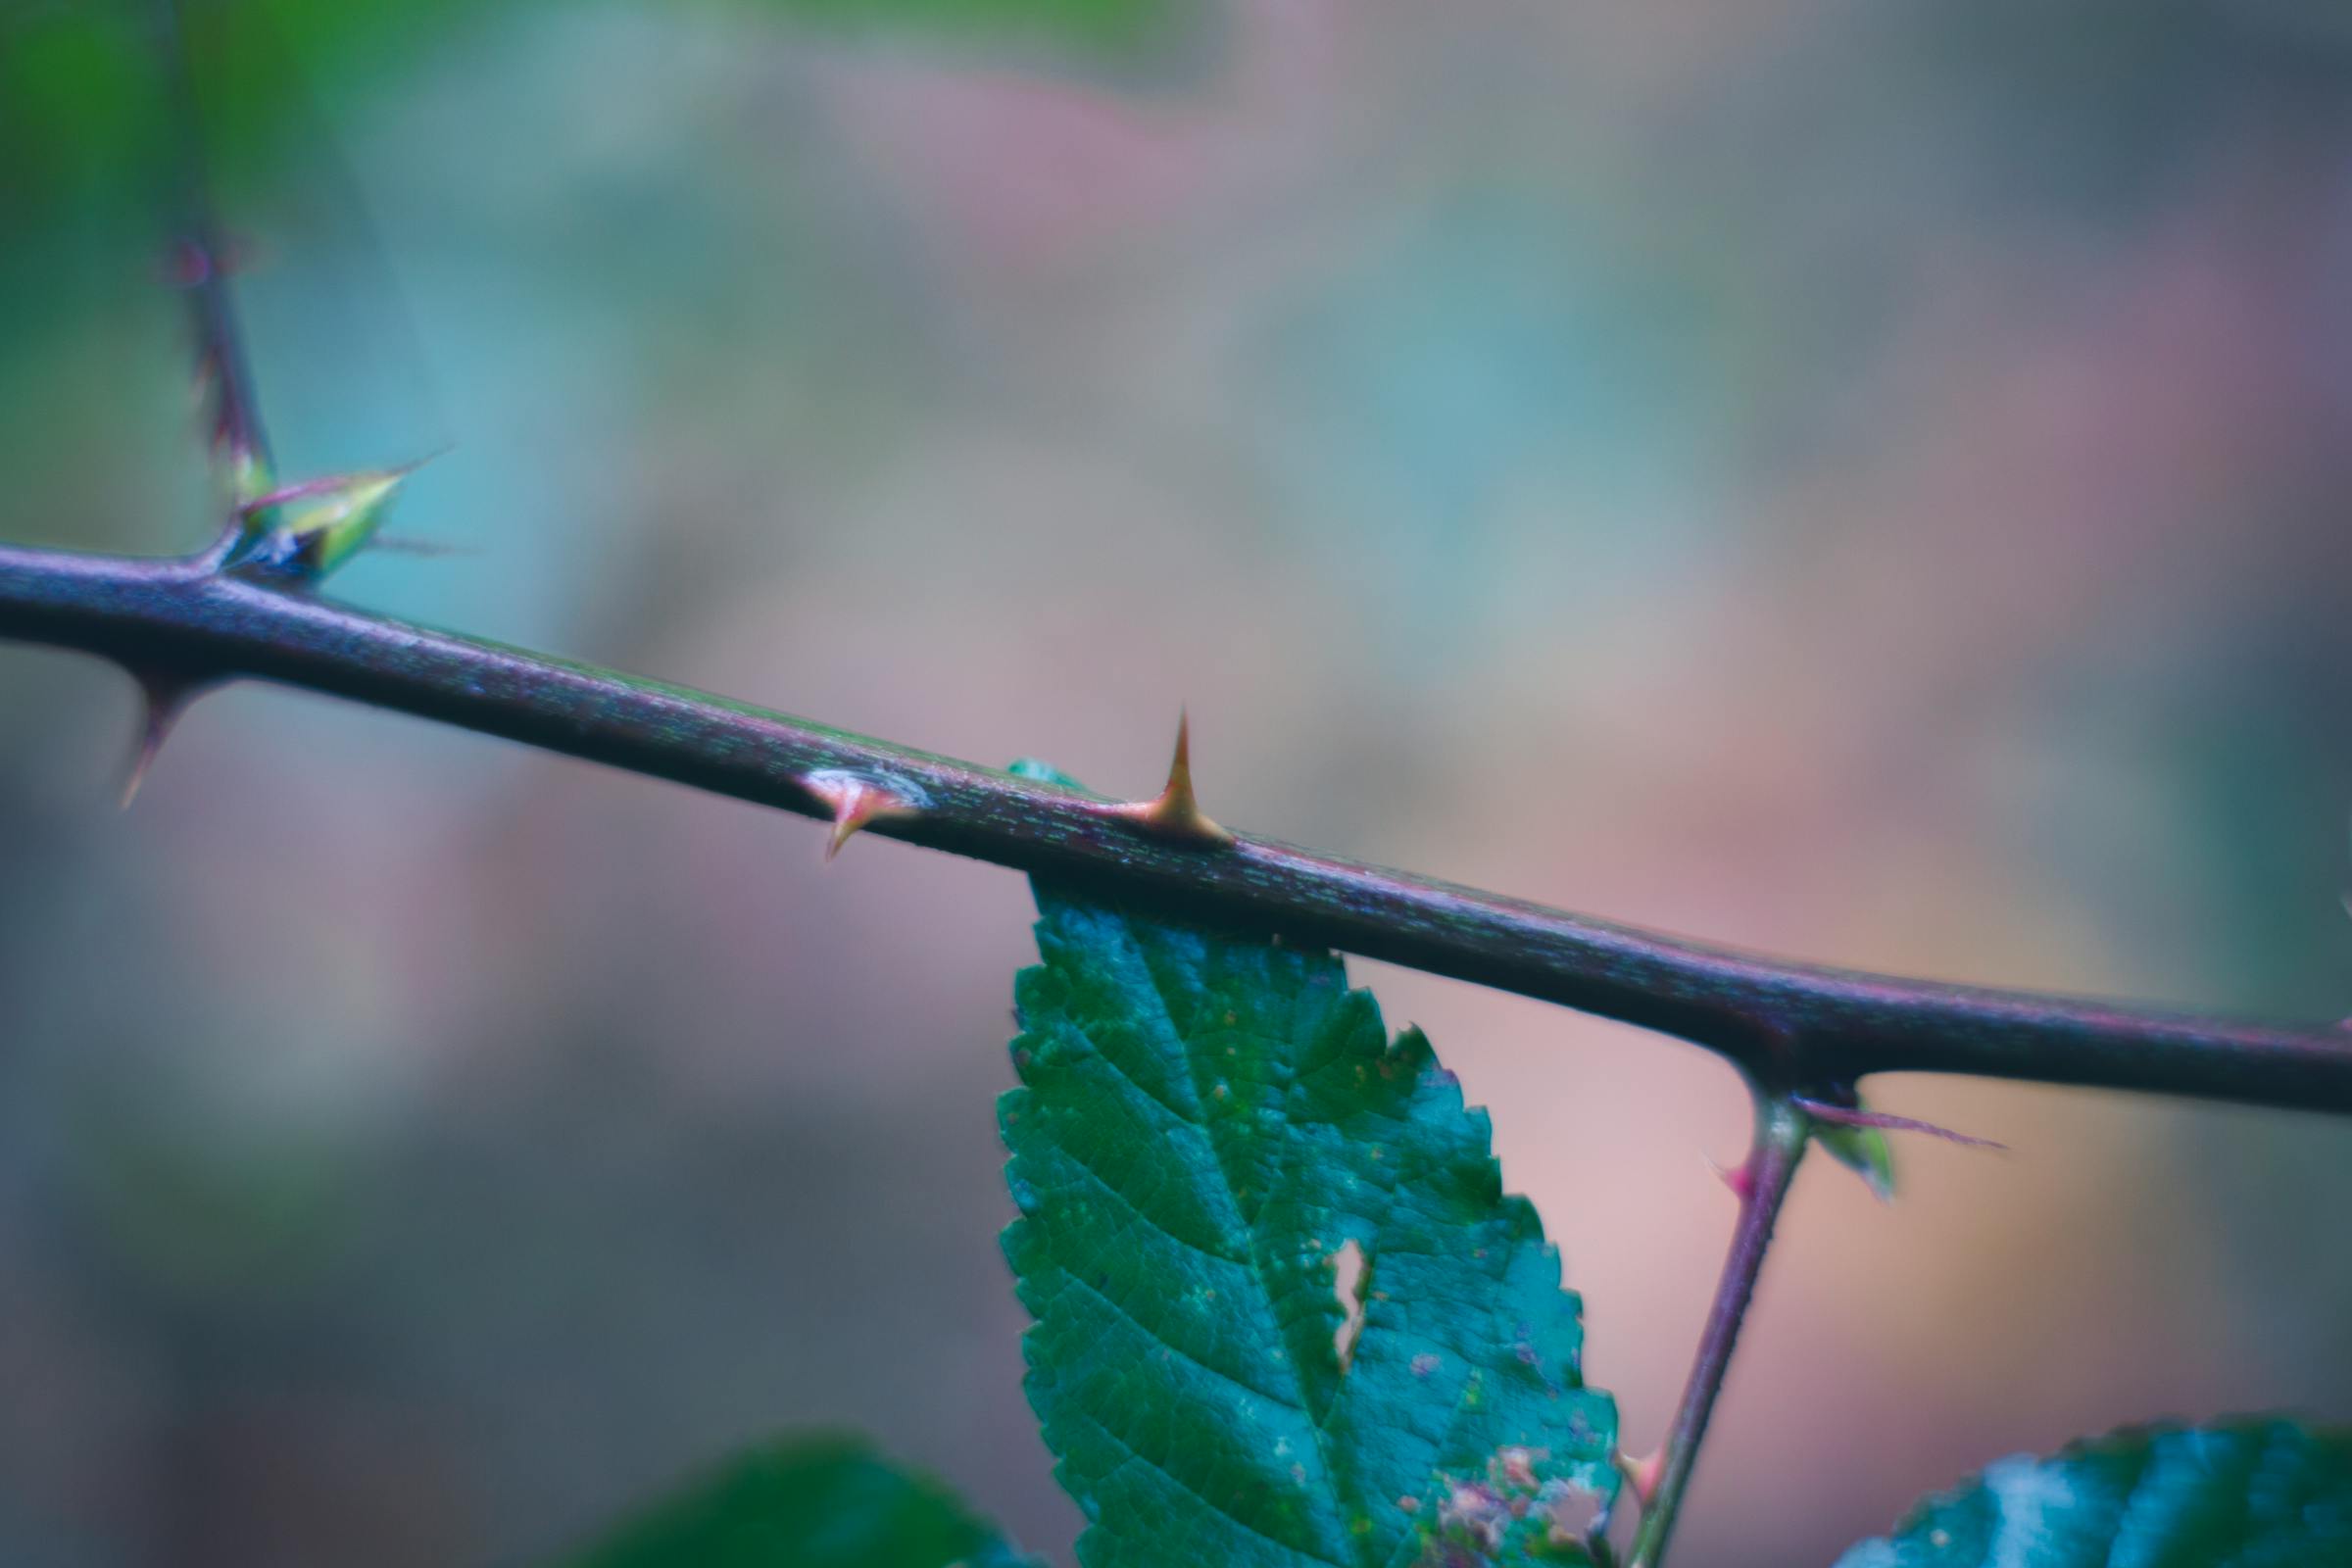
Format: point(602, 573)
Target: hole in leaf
point(1573, 1515)
point(1347, 1283)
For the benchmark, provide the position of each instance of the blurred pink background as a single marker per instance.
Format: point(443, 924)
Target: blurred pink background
point(1862, 481)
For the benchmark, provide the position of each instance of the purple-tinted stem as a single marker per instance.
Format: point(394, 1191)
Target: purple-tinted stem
point(1782, 1133)
point(1792, 1027)
point(198, 266)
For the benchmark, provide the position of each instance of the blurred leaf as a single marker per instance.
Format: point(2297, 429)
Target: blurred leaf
point(86, 103)
point(214, 1223)
point(1092, 25)
point(811, 1502)
point(1208, 1126)
point(2260, 1493)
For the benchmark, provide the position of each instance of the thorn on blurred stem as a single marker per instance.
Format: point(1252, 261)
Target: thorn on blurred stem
point(1641, 1475)
point(1735, 1177)
point(1176, 812)
point(856, 802)
point(163, 700)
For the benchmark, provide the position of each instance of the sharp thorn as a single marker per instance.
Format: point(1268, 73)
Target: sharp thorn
point(845, 822)
point(855, 803)
point(163, 698)
point(1736, 1178)
point(151, 740)
point(1176, 812)
point(1641, 1475)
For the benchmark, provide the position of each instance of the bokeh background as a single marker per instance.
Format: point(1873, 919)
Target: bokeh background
point(1866, 480)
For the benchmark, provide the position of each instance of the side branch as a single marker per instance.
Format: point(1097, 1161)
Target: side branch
point(1762, 1185)
point(239, 447)
point(1787, 1025)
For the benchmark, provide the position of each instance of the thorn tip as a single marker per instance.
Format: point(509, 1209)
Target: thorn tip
point(163, 700)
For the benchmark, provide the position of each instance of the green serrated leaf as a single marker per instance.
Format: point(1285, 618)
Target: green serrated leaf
point(811, 1502)
point(1207, 1124)
point(2258, 1493)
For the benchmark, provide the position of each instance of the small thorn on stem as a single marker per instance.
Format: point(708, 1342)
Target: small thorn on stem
point(163, 700)
point(856, 803)
point(1176, 812)
point(1641, 1475)
point(1850, 1116)
point(1738, 1178)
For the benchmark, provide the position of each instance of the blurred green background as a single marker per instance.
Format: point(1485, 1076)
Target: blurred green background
point(1861, 478)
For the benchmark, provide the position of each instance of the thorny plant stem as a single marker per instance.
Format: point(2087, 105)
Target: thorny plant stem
point(1784, 1024)
point(177, 625)
point(1762, 1182)
point(199, 265)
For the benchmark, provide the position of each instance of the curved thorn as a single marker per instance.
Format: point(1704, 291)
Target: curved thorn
point(855, 803)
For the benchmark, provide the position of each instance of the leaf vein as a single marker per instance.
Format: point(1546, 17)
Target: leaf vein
point(1181, 1114)
point(1134, 1456)
point(1261, 1264)
point(1157, 1337)
point(1150, 1221)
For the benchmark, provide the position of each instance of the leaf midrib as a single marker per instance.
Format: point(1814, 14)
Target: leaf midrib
point(1259, 1269)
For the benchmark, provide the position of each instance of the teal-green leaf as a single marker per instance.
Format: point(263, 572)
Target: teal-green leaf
point(2258, 1493)
point(1206, 1125)
point(812, 1503)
